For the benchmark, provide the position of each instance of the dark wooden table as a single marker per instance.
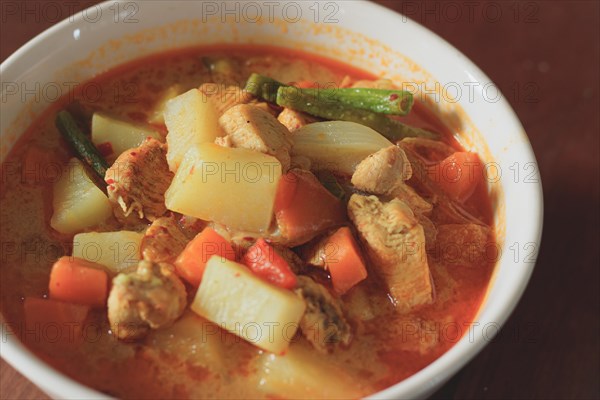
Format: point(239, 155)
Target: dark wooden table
point(544, 56)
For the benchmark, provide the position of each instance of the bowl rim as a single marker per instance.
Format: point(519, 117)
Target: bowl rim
point(418, 384)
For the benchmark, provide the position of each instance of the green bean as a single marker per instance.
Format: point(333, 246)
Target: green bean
point(81, 144)
point(319, 106)
point(379, 101)
point(263, 87)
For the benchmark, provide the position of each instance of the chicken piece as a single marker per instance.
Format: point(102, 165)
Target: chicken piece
point(272, 109)
point(151, 297)
point(224, 141)
point(252, 128)
point(395, 243)
point(383, 171)
point(408, 195)
point(323, 323)
point(163, 240)
point(422, 209)
point(465, 245)
point(294, 120)
point(225, 97)
point(138, 180)
point(429, 230)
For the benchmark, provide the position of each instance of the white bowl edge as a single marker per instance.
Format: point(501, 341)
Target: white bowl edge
point(431, 377)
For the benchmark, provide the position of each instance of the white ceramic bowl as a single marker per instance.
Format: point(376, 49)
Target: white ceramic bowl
point(357, 32)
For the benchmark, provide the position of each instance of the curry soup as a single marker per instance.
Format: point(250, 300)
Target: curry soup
point(300, 264)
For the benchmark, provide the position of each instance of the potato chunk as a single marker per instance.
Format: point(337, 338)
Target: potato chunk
point(117, 251)
point(231, 296)
point(191, 119)
point(193, 339)
point(157, 116)
point(122, 135)
point(78, 203)
point(235, 187)
point(306, 374)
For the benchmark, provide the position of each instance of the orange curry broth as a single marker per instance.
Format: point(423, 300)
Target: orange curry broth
point(384, 350)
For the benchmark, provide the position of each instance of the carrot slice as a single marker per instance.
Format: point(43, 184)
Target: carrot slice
point(286, 191)
point(264, 261)
point(458, 175)
point(191, 262)
point(53, 321)
point(304, 208)
point(343, 259)
point(75, 280)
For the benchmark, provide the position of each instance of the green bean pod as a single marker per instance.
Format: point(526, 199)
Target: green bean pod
point(81, 144)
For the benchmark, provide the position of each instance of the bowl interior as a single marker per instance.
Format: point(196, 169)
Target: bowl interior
point(355, 32)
